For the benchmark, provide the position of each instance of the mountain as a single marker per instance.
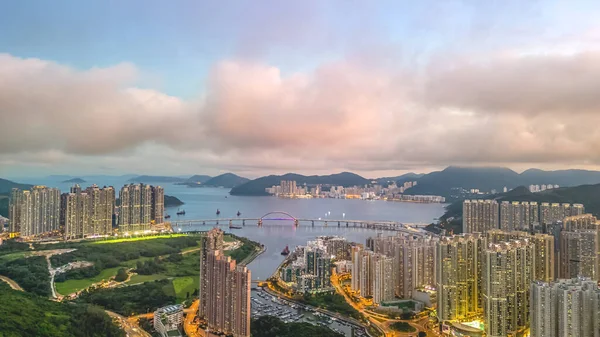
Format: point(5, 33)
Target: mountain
point(7, 185)
point(257, 187)
point(228, 180)
point(75, 181)
point(198, 178)
point(450, 181)
point(156, 179)
point(400, 179)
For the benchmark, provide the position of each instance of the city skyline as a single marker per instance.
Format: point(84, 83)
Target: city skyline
point(374, 88)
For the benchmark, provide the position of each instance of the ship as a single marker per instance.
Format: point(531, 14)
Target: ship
point(234, 227)
point(286, 251)
point(239, 213)
point(167, 216)
point(218, 212)
point(181, 212)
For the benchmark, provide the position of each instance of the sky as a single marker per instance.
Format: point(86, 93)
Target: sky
point(379, 88)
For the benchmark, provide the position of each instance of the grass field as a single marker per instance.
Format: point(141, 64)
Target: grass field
point(13, 256)
point(71, 286)
point(139, 238)
point(183, 285)
point(145, 278)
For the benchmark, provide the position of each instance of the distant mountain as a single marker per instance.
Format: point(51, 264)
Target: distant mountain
point(257, 187)
point(7, 185)
point(488, 178)
point(156, 179)
point(198, 178)
point(75, 181)
point(228, 180)
point(3, 206)
point(400, 179)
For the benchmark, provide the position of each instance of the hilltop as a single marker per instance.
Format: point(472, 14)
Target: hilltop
point(7, 185)
point(257, 187)
point(228, 180)
point(449, 182)
point(75, 181)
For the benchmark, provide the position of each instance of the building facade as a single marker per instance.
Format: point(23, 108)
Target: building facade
point(565, 308)
point(169, 319)
point(458, 276)
point(508, 270)
point(34, 212)
point(87, 213)
point(480, 215)
point(224, 289)
point(141, 205)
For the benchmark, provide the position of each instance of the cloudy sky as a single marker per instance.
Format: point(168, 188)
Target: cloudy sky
point(257, 87)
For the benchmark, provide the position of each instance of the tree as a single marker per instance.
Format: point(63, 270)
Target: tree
point(121, 275)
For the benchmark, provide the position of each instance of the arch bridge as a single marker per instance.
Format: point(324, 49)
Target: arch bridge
point(238, 223)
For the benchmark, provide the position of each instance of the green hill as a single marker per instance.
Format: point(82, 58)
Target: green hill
point(198, 178)
point(228, 180)
point(26, 314)
point(7, 185)
point(257, 187)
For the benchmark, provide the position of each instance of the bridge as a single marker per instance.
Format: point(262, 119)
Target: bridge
point(281, 216)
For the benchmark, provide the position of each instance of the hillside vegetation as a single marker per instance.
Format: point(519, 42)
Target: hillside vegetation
point(24, 314)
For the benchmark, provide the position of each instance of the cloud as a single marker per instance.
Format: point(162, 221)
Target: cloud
point(353, 113)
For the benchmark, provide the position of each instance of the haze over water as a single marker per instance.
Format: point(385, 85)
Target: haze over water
point(202, 203)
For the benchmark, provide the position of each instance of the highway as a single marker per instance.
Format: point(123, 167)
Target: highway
point(189, 326)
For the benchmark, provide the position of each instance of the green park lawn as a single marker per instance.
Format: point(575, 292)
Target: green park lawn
point(140, 238)
point(13, 256)
point(71, 286)
point(183, 285)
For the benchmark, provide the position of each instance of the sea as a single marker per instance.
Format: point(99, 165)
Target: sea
point(203, 203)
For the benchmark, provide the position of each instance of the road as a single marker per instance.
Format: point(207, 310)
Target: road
point(130, 328)
point(189, 326)
point(14, 285)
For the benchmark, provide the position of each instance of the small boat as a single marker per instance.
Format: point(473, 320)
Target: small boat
point(286, 251)
point(218, 212)
point(239, 213)
point(234, 227)
point(181, 212)
point(167, 216)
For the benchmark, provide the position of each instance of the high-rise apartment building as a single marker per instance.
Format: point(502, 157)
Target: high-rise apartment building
point(458, 276)
point(34, 212)
point(580, 247)
point(479, 215)
point(544, 263)
point(508, 270)
point(87, 213)
point(568, 307)
point(372, 275)
point(224, 289)
point(140, 205)
point(413, 260)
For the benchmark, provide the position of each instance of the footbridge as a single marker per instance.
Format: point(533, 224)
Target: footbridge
point(286, 219)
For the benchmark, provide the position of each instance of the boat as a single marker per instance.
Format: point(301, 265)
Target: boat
point(218, 212)
point(286, 251)
point(181, 212)
point(239, 213)
point(167, 216)
point(234, 227)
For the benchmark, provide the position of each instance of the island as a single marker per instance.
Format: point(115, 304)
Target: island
point(171, 201)
point(226, 180)
point(74, 181)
